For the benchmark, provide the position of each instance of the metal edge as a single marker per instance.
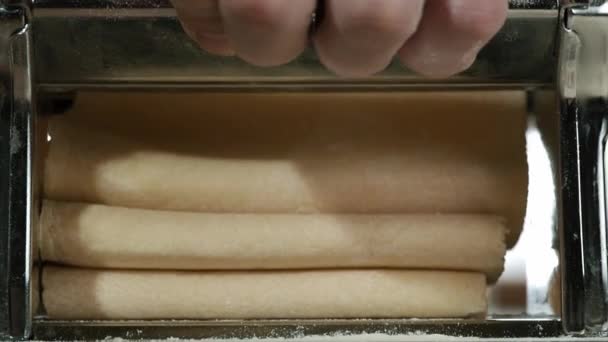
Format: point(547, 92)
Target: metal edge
point(290, 329)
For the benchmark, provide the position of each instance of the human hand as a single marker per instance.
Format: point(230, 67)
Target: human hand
point(436, 38)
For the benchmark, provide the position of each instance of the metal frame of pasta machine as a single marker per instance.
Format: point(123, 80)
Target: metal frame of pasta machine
point(49, 48)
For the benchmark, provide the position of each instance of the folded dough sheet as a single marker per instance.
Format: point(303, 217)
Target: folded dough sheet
point(99, 236)
point(450, 153)
point(70, 293)
point(218, 199)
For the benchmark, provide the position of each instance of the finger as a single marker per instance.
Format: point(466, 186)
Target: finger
point(202, 21)
point(361, 37)
point(267, 32)
point(451, 35)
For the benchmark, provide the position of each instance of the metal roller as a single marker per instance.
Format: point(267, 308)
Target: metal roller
point(94, 44)
point(50, 47)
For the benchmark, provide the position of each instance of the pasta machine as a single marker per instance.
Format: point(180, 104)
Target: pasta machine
point(50, 49)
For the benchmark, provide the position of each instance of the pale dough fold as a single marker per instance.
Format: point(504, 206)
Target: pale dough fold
point(109, 237)
point(306, 153)
point(70, 293)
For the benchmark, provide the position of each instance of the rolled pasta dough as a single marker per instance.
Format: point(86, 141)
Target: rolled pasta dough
point(109, 237)
point(70, 293)
point(373, 153)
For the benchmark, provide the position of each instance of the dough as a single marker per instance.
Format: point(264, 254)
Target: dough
point(281, 153)
point(71, 293)
point(108, 237)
